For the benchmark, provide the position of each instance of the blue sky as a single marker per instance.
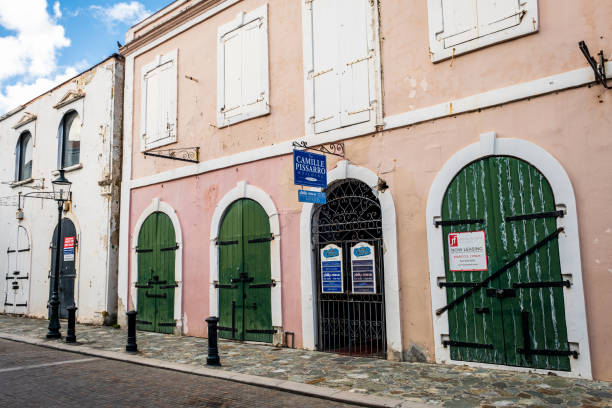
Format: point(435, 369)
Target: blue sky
point(45, 42)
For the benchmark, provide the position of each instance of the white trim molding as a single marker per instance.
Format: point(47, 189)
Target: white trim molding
point(245, 190)
point(345, 170)
point(569, 247)
point(160, 206)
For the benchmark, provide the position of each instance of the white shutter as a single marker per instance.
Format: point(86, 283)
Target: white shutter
point(252, 90)
point(460, 21)
point(159, 101)
point(232, 74)
point(354, 61)
point(326, 73)
point(496, 15)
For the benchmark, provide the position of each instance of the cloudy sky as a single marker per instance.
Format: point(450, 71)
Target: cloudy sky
point(45, 42)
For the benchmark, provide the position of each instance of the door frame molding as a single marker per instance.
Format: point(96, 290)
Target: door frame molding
point(569, 246)
point(157, 205)
point(245, 190)
point(344, 170)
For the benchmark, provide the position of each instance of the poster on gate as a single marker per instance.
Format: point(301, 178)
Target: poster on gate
point(68, 249)
point(363, 271)
point(331, 269)
point(467, 251)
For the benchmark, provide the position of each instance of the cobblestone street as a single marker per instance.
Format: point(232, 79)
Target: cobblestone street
point(448, 385)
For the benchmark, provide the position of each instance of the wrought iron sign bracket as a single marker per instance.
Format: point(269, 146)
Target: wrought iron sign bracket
point(598, 70)
point(186, 154)
point(335, 149)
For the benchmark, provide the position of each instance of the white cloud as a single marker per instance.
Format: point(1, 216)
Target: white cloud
point(29, 53)
point(56, 10)
point(21, 92)
point(123, 12)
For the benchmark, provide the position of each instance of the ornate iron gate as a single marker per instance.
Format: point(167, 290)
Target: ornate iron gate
point(349, 322)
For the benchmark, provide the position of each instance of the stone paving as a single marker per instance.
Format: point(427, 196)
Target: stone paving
point(447, 385)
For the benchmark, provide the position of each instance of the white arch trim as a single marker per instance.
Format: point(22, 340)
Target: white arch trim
point(569, 247)
point(160, 206)
point(245, 190)
point(345, 170)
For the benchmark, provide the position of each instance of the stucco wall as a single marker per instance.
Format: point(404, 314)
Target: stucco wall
point(91, 210)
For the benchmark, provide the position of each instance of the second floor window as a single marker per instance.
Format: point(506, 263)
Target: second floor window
point(23, 151)
point(69, 140)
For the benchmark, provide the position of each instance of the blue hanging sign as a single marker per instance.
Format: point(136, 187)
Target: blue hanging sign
point(316, 197)
point(331, 269)
point(309, 169)
point(363, 268)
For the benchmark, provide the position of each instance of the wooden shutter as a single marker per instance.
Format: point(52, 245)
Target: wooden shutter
point(232, 64)
point(18, 159)
point(496, 15)
point(159, 99)
point(252, 54)
point(354, 61)
point(326, 73)
point(459, 19)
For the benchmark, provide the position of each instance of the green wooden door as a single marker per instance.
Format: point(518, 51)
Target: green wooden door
point(518, 317)
point(156, 253)
point(245, 309)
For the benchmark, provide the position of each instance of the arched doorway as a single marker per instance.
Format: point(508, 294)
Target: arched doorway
point(68, 245)
point(17, 277)
point(504, 285)
point(245, 280)
point(156, 284)
point(347, 243)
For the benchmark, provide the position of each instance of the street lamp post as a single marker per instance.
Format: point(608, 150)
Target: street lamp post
point(61, 193)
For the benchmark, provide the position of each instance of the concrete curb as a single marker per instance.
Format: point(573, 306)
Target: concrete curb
point(276, 384)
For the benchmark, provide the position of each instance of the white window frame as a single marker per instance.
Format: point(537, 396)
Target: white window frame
point(258, 109)
point(171, 56)
point(374, 75)
point(529, 24)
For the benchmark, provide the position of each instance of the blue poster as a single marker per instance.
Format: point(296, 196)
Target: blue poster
point(363, 268)
point(331, 269)
point(309, 169)
point(316, 197)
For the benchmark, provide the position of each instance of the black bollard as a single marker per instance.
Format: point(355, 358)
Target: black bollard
point(70, 334)
point(213, 350)
point(131, 334)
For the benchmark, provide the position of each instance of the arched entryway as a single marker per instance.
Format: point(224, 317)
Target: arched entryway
point(503, 247)
point(16, 282)
point(347, 238)
point(67, 263)
point(156, 283)
point(245, 280)
point(503, 283)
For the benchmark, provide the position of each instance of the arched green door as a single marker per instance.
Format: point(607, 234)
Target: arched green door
point(156, 253)
point(514, 312)
point(245, 310)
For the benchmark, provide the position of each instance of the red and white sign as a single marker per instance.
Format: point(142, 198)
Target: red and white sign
point(68, 249)
point(467, 251)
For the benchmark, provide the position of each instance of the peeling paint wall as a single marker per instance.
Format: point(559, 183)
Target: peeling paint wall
point(95, 190)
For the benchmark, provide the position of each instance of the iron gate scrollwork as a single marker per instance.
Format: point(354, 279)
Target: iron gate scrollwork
point(350, 323)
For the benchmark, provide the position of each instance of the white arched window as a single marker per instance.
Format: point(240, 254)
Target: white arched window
point(69, 140)
point(23, 153)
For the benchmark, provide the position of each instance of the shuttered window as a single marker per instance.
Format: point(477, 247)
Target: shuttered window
point(342, 73)
point(459, 26)
point(242, 69)
point(159, 93)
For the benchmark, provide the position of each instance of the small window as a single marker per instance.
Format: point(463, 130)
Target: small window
point(69, 140)
point(242, 68)
point(23, 151)
point(158, 103)
point(460, 26)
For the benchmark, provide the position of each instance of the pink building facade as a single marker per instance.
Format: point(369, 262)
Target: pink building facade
point(477, 119)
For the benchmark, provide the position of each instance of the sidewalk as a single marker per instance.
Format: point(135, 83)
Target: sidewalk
point(447, 385)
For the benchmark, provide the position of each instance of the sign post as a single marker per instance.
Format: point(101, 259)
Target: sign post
point(310, 169)
point(363, 268)
point(331, 269)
